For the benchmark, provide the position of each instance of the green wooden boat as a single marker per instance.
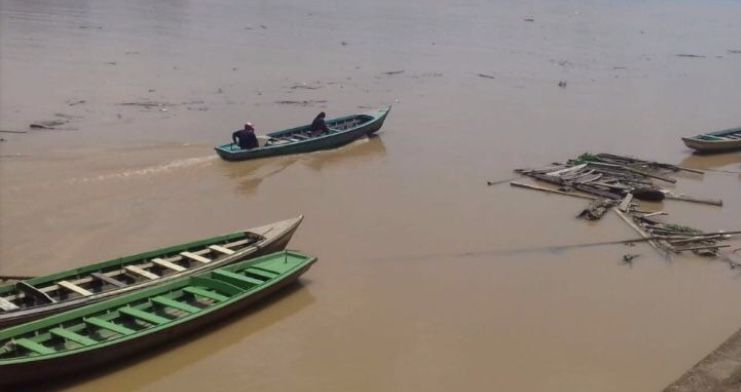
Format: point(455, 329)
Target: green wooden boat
point(38, 297)
point(104, 332)
point(343, 130)
point(725, 140)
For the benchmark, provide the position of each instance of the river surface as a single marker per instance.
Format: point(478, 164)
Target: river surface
point(427, 279)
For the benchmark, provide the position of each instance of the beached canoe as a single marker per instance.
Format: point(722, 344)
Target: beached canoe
point(725, 140)
point(104, 332)
point(343, 130)
point(30, 299)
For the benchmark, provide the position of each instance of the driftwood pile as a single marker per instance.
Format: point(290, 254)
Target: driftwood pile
point(616, 183)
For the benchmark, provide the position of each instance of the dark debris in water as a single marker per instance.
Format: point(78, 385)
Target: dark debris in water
point(309, 102)
point(690, 55)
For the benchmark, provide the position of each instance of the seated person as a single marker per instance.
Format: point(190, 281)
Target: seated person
point(245, 138)
point(318, 126)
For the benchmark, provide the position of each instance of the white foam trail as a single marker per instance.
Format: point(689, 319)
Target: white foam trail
point(178, 164)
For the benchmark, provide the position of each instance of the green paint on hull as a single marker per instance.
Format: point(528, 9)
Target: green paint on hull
point(295, 140)
point(65, 290)
point(111, 329)
point(725, 140)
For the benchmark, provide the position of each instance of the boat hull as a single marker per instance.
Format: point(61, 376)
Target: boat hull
point(281, 235)
point(35, 371)
point(231, 152)
point(720, 141)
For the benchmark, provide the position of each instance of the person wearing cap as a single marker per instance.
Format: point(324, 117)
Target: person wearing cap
point(245, 138)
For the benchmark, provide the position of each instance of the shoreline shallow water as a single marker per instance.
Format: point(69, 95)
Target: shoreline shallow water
point(422, 284)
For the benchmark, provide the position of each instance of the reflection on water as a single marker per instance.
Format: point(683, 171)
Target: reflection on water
point(174, 356)
point(357, 152)
point(250, 174)
point(710, 161)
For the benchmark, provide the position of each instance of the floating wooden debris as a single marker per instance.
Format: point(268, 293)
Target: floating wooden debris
point(596, 209)
point(610, 181)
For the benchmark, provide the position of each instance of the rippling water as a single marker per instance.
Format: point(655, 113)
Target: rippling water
point(425, 281)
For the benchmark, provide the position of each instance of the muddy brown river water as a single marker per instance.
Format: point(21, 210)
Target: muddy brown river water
point(427, 278)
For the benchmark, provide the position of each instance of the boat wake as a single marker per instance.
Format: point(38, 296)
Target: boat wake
point(178, 164)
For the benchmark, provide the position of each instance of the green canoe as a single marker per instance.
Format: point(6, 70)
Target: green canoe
point(725, 140)
point(106, 331)
point(38, 297)
point(343, 130)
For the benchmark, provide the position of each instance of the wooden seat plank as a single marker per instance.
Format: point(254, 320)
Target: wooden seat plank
point(222, 249)
point(142, 315)
point(112, 274)
point(176, 304)
point(74, 288)
point(196, 257)
point(107, 279)
point(262, 273)
point(168, 265)
point(7, 306)
point(30, 345)
point(73, 336)
point(236, 279)
point(100, 323)
point(205, 293)
point(141, 272)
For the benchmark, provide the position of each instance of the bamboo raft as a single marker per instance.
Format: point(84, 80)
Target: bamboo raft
point(614, 182)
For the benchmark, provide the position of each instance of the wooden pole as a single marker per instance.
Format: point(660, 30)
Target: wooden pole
point(543, 189)
point(702, 247)
point(635, 227)
point(691, 199)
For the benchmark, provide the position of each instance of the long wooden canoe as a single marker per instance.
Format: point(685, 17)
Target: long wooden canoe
point(33, 298)
point(101, 333)
point(343, 130)
point(725, 140)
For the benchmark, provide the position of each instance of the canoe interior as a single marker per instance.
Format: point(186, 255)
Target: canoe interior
point(145, 311)
point(336, 125)
point(121, 272)
point(725, 135)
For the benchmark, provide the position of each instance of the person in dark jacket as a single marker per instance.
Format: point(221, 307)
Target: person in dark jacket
point(318, 126)
point(245, 138)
